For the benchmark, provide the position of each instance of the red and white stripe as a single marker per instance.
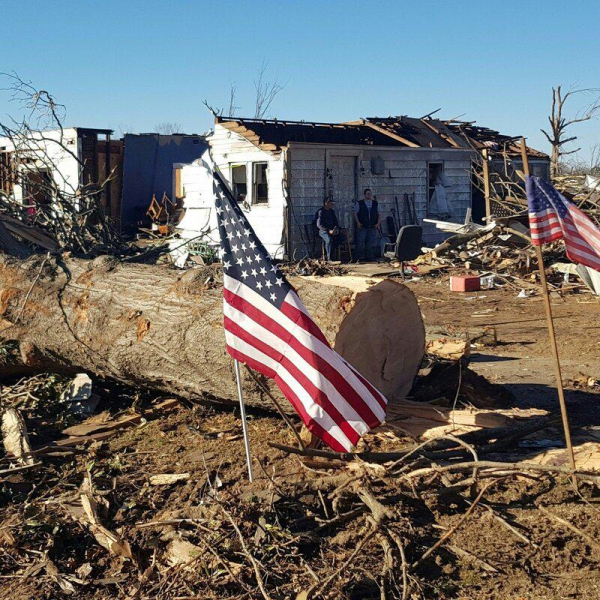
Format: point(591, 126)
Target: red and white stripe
point(581, 236)
point(333, 400)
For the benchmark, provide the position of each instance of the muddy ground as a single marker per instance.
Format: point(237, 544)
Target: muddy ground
point(304, 526)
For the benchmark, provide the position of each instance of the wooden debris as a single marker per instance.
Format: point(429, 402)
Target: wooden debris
point(587, 456)
point(97, 428)
point(15, 437)
point(449, 349)
point(168, 478)
point(90, 519)
point(182, 553)
point(107, 539)
point(426, 420)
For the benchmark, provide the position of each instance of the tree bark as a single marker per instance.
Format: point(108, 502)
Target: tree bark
point(154, 327)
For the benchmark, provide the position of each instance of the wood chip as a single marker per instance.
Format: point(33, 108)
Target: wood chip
point(168, 478)
point(14, 435)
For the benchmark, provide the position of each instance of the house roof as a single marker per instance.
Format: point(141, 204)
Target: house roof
point(272, 135)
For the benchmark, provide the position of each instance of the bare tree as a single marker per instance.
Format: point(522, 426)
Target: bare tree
point(558, 136)
point(72, 214)
point(168, 128)
point(266, 91)
point(581, 166)
point(124, 128)
point(215, 112)
point(594, 162)
point(232, 107)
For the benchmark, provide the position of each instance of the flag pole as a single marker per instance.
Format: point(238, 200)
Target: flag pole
point(552, 335)
point(243, 415)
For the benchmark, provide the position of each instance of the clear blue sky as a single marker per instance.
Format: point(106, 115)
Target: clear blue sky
point(130, 64)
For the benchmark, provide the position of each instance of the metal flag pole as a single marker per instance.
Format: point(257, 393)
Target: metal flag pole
point(552, 334)
point(243, 415)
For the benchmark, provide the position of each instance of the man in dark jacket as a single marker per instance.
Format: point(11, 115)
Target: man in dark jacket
point(328, 227)
point(367, 220)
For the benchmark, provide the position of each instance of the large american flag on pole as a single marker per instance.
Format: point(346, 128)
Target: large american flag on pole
point(268, 328)
point(553, 217)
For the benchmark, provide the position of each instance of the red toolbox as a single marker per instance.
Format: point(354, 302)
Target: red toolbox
point(465, 283)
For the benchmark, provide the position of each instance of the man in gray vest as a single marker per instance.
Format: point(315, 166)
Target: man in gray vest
point(367, 219)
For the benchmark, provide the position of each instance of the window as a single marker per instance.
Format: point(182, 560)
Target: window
point(261, 187)
point(434, 170)
point(8, 174)
point(37, 186)
point(238, 180)
point(437, 185)
point(540, 169)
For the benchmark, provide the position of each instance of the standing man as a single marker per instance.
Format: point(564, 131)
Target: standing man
point(367, 219)
point(327, 224)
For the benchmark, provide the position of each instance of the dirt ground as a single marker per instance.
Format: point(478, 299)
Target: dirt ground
point(522, 360)
point(304, 525)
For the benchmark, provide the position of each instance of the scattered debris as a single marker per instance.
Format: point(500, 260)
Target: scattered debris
point(168, 478)
point(79, 397)
point(15, 438)
point(89, 518)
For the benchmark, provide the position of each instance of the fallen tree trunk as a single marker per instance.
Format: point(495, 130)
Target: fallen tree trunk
point(154, 327)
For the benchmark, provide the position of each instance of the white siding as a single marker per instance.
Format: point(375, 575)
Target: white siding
point(229, 148)
point(405, 172)
point(52, 147)
point(307, 191)
point(308, 182)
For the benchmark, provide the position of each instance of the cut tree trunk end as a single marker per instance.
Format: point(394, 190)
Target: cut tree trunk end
point(154, 327)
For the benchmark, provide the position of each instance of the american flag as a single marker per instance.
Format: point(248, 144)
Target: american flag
point(553, 217)
point(268, 328)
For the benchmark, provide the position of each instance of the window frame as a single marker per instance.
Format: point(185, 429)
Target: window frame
point(255, 184)
point(430, 184)
point(233, 166)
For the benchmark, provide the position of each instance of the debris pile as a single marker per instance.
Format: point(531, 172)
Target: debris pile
point(501, 254)
point(313, 266)
point(141, 506)
point(584, 191)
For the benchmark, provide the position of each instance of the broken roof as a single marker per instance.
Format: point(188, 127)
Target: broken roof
point(272, 135)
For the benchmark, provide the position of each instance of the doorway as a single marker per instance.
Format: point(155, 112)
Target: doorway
point(343, 189)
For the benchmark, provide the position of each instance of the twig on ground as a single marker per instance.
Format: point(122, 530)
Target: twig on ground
point(589, 539)
point(508, 525)
point(398, 542)
point(248, 554)
point(345, 456)
point(471, 557)
point(451, 531)
point(488, 464)
point(317, 589)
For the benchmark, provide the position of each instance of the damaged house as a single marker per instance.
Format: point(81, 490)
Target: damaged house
point(417, 169)
point(152, 168)
point(33, 168)
point(127, 173)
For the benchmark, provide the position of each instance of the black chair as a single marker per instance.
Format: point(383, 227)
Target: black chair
point(407, 247)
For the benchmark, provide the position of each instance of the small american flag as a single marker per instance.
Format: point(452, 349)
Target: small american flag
point(553, 217)
point(268, 328)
